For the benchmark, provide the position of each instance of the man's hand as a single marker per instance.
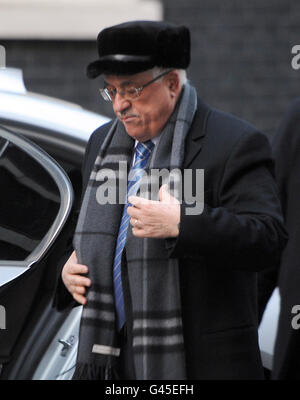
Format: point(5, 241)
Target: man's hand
point(155, 219)
point(74, 282)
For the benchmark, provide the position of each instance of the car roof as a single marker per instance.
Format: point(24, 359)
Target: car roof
point(21, 106)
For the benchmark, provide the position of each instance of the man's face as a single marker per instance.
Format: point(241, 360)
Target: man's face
point(145, 116)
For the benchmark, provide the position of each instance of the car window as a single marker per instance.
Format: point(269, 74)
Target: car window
point(35, 203)
point(29, 202)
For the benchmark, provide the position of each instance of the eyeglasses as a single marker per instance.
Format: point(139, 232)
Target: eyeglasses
point(129, 92)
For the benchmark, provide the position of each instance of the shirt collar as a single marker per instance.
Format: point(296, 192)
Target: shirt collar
point(154, 140)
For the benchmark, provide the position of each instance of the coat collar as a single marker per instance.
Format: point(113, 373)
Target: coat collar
point(197, 131)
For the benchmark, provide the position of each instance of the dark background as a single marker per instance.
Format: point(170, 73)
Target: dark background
point(241, 59)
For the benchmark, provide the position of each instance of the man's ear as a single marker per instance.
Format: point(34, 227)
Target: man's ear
point(173, 81)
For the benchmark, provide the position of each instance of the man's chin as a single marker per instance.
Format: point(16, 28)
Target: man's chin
point(136, 133)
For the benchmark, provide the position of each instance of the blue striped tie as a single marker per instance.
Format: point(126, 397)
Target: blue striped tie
point(142, 152)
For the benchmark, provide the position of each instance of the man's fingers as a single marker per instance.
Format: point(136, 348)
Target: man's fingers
point(79, 298)
point(77, 280)
point(135, 223)
point(133, 212)
point(139, 205)
point(139, 202)
point(71, 275)
point(165, 196)
point(136, 201)
point(78, 269)
point(78, 293)
point(78, 289)
point(140, 233)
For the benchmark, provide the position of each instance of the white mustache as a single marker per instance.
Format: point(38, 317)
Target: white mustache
point(124, 114)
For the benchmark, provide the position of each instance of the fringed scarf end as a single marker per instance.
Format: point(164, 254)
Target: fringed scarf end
point(95, 372)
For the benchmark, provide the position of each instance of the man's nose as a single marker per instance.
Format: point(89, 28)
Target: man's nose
point(120, 104)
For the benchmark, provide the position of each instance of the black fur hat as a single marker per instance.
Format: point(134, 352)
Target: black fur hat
point(136, 46)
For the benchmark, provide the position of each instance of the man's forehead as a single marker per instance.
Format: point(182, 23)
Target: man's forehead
point(124, 80)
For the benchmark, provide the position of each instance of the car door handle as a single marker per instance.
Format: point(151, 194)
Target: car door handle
point(67, 345)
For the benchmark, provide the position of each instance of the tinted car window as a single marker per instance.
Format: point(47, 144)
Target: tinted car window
point(29, 202)
point(66, 150)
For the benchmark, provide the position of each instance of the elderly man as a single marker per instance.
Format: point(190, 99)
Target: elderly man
point(169, 284)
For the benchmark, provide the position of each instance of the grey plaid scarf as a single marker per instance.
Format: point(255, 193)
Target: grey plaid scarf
point(158, 344)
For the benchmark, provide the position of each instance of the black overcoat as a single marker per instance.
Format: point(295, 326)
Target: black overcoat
point(220, 251)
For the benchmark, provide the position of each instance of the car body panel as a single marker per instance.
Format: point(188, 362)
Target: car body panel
point(69, 124)
point(59, 359)
point(268, 329)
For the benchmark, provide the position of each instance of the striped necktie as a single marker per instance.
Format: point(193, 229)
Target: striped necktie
point(142, 152)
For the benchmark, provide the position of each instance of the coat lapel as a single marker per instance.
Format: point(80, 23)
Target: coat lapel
point(197, 133)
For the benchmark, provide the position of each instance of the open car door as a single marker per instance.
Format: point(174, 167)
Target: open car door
point(36, 229)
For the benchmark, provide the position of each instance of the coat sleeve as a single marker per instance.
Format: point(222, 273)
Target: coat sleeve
point(245, 230)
